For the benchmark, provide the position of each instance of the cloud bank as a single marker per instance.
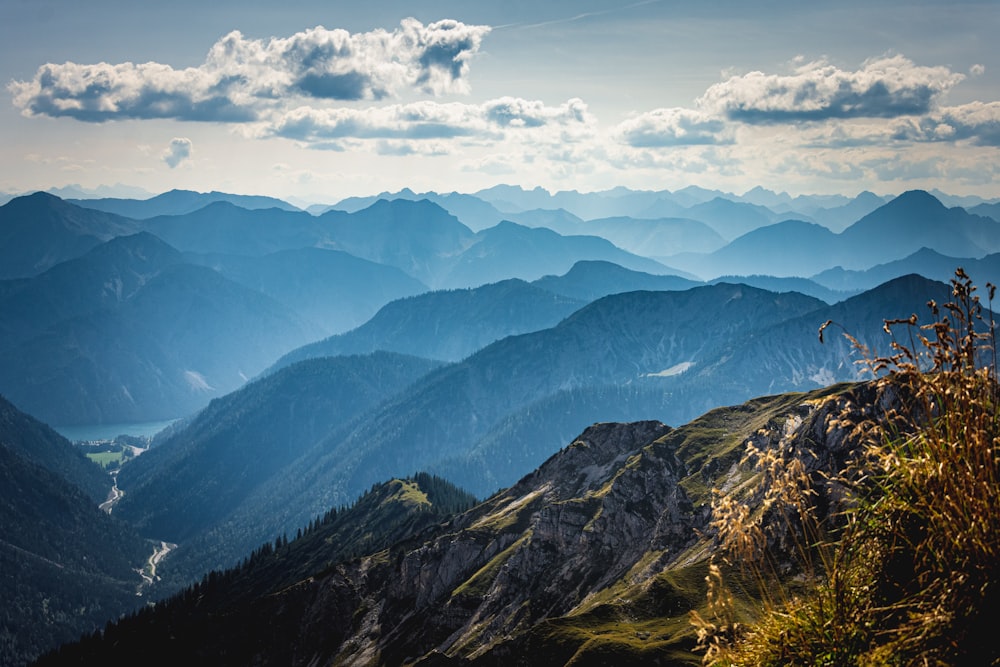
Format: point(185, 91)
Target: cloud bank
point(827, 106)
point(243, 78)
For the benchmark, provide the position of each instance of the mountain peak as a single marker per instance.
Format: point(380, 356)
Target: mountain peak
point(914, 199)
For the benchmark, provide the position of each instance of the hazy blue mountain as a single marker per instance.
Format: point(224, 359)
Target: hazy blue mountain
point(512, 250)
point(668, 355)
point(178, 202)
point(589, 280)
point(964, 201)
point(487, 419)
point(223, 227)
point(912, 221)
point(558, 220)
point(355, 204)
point(893, 231)
point(761, 196)
point(649, 238)
point(418, 237)
point(188, 486)
point(447, 324)
point(836, 212)
point(656, 238)
point(729, 218)
point(790, 356)
point(444, 416)
point(801, 285)
point(331, 289)
point(986, 210)
point(924, 262)
point(789, 248)
point(119, 190)
point(39, 231)
point(67, 567)
point(616, 340)
point(184, 335)
point(839, 218)
point(100, 280)
point(471, 211)
point(587, 206)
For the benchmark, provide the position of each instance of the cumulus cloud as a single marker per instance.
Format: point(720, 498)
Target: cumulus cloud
point(829, 107)
point(885, 87)
point(977, 122)
point(674, 127)
point(492, 120)
point(243, 77)
point(178, 151)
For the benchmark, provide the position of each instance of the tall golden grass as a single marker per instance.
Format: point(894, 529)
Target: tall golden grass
point(905, 570)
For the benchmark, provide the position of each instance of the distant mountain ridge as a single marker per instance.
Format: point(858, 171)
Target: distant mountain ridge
point(893, 231)
point(448, 325)
point(129, 333)
point(178, 202)
point(40, 230)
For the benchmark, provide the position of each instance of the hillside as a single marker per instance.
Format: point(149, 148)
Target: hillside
point(37, 444)
point(191, 484)
point(39, 231)
point(600, 552)
point(65, 566)
point(447, 324)
point(129, 334)
point(330, 289)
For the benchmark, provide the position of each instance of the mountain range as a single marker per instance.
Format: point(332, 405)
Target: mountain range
point(483, 421)
point(355, 376)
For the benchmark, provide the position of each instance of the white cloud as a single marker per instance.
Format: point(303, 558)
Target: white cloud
point(491, 121)
point(242, 77)
point(674, 127)
point(885, 87)
point(178, 151)
point(977, 122)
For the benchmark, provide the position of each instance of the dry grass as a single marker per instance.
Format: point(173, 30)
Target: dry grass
point(907, 570)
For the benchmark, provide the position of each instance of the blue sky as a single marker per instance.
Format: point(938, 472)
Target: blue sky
point(317, 101)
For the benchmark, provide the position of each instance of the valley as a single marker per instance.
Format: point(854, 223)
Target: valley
point(467, 427)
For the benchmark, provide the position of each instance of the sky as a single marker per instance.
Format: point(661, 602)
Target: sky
point(315, 101)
